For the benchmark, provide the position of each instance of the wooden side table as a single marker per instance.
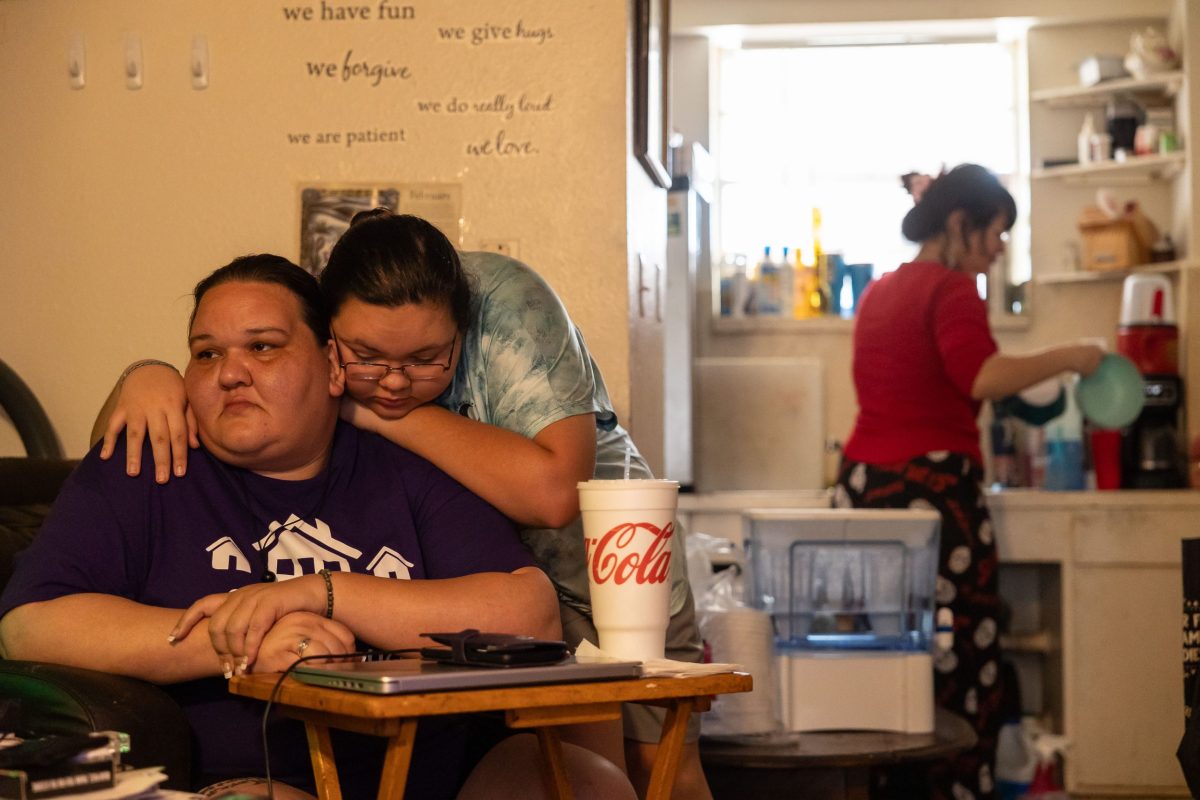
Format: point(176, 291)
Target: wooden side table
point(828, 764)
point(542, 708)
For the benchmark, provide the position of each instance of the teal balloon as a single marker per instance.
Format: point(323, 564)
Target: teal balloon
point(1112, 396)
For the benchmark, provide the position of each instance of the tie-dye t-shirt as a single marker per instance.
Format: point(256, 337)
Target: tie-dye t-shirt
point(524, 365)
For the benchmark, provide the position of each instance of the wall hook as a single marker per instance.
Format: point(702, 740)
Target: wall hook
point(199, 61)
point(77, 62)
point(133, 61)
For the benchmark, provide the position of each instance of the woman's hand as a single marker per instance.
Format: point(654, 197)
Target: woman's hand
point(239, 621)
point(151, 401)
point(301, 634)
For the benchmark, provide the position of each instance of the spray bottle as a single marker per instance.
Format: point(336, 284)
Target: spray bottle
point(1016, 759)
point(1046, 785)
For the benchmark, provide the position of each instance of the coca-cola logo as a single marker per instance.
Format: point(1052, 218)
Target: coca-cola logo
point(613, 556)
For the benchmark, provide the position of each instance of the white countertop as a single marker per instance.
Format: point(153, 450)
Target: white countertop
point(1131, 526)
point(1033, 499)
point(736, 501)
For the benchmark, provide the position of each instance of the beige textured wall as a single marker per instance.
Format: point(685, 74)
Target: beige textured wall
point(117, 201)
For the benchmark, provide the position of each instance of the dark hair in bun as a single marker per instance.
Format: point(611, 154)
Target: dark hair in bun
point(969, 187)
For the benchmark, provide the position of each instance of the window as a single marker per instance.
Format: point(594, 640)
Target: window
point(834, 127)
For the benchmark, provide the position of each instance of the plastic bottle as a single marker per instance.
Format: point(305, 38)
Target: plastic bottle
point(769, 290)
point(818, 294)
point(740, 288)
point(1064, 447)
point(1002, 437)
point(1163, 250)
point(1045, 784)
point(725, 306)
point(1016, 760)
point(805, 281)
point(1084, 141)
point(787, 285)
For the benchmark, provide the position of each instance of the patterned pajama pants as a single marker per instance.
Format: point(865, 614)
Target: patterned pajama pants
point(966, 677)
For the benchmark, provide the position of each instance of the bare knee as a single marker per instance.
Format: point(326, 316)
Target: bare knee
point(254, 787)
point(690, 783)
point(604, 738)
point(514, 769)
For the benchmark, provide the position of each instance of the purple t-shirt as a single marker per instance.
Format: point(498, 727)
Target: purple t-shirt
point(377, 509)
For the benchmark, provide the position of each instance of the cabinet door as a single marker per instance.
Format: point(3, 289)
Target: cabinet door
point(1127, 692)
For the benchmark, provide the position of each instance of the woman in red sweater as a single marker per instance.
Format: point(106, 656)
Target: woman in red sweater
point(924, 360)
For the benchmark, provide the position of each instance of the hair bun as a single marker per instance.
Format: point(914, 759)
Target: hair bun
point(969, 187)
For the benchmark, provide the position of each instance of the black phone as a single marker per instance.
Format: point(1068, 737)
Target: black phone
point(473, 648)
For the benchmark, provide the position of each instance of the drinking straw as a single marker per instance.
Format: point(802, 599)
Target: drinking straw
point(628, 455)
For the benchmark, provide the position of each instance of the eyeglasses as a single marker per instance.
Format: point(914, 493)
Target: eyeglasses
point(423, 371)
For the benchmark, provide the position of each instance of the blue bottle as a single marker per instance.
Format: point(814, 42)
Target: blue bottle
point(1064, 448)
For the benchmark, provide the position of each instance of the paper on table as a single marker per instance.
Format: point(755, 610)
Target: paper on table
point(128, 784)
point(661, 667)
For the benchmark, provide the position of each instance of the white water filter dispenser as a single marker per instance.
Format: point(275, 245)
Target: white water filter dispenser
point(850, 593)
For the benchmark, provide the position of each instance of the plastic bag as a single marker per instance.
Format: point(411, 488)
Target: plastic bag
point(1150, 52)
point(732, 632)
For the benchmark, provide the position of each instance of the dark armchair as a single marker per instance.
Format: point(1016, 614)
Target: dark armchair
point(38, 699)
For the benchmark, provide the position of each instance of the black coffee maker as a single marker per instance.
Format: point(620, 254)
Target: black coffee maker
point(1152, 454)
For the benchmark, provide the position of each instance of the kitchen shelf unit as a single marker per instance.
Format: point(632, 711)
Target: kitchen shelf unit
point(1116, 553)
point(1162, 184)
point(1107, 275)
point(1134, 169)
point(1163, 84)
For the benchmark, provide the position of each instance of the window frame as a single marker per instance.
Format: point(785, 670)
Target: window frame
point(1015, 264)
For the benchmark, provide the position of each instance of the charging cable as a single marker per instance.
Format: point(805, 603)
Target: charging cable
point(361, 655)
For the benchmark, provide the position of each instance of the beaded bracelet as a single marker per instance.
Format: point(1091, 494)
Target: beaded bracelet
point(145, 362)
point(328, 593)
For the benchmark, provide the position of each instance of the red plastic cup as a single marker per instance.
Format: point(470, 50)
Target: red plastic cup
point(1106, 458)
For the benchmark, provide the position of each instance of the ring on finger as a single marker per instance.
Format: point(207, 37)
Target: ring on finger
point(300, 648)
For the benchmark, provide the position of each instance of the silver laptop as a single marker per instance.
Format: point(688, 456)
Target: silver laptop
point(413, 675)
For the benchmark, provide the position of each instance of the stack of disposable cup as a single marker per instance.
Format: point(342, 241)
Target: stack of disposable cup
point(743, 636)
point(629, 529)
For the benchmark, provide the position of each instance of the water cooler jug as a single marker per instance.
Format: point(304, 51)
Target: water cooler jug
point(851, 598)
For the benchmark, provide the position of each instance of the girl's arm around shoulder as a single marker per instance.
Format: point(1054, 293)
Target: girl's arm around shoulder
point(531, 481)
point(393, 614)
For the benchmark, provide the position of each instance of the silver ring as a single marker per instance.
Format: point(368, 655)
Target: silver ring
point(300, 648)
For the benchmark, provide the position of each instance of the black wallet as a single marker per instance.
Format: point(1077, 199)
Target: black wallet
point(471, 648)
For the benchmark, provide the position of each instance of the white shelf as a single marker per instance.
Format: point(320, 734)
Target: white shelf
point(1165, 84)
point(1101, 276)
point(832, 324)
point(764, 324)
point(1162, 166)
